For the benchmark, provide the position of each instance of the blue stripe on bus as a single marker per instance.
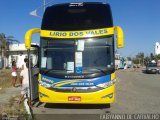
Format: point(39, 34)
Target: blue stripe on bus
point(76, 82)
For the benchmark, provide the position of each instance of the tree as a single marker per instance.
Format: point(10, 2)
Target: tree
point(146, 60)
point(140, 58)
point(157, 57)
point(135, 61)
point(4, 45)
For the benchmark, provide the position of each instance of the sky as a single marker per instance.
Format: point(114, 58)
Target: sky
point(139, 19)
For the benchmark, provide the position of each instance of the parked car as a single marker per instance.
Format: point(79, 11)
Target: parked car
point(152, 68)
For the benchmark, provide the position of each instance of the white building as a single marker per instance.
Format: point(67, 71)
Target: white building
point(17, 52)
point(117, 60)
point(157, 48)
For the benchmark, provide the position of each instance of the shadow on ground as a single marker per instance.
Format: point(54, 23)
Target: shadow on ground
point(77, 106)
point(72, 106)
point(144, 71)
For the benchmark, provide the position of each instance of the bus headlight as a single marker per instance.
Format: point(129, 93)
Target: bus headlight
point(44, 84)
point(107, 84)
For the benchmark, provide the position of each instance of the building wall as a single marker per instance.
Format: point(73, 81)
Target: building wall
point(157, 48)
point(20, 59)
point(19, 47)
point(17, 52)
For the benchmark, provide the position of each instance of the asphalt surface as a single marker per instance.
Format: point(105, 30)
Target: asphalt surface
point(137, 92)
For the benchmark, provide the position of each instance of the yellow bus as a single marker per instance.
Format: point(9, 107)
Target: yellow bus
point(76, 55)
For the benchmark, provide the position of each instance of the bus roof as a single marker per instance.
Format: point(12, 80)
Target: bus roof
point(77, 16)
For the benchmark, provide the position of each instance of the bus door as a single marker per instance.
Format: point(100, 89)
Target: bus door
point(34, 73)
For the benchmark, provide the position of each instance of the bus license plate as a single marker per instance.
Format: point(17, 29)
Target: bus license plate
point(74, 98)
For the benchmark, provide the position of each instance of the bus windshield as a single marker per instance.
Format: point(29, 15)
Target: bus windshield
point(66, 17)
point(61, 56)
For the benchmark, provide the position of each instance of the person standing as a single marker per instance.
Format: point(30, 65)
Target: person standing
point(25, 85)
point(23, 67)
point(14, 73)
point(24, 64)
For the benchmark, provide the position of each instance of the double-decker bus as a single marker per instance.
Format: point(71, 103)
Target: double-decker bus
point(76, 55)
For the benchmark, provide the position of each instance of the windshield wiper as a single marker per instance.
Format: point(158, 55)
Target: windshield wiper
point(102, 71)
point(48, 71)
point(93, 69)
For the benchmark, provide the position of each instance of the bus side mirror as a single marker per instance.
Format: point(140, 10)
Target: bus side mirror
point(119, 36)
point(28, 37)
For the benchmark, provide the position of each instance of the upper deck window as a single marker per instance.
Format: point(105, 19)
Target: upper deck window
point(79, 17)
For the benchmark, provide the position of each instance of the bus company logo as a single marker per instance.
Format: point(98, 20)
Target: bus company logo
point(96, 32)
point(87, 33)
point(56, 33)
point(47, 80)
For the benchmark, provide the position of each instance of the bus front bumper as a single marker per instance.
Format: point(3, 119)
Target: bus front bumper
point(105, 96)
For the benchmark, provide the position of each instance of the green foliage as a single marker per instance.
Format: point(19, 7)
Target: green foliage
point(139, 58)
point(157, 57)
point(135, 61)
point(147, 60)
point(140, 55)
point(3, 41)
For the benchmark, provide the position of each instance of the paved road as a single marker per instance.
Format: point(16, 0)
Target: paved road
point(137, 92)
